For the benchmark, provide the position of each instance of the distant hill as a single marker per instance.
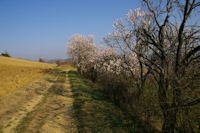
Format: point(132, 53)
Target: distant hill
point(55, 60)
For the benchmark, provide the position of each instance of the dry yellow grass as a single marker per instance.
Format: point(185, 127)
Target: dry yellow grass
point(15, 73)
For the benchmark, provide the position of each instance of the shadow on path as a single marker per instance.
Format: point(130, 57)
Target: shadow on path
point(94, 112)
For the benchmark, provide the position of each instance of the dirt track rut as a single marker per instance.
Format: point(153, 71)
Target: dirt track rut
point(44, 106)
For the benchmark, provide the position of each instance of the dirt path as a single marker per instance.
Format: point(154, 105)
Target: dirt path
point(43, 106)
point(17, 105)
point(55, 114)
point(15, 120)
point(60, 118)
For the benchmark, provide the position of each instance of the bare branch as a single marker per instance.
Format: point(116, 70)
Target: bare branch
point(152, 11)
point(195, 102)
point(180, 35)
point(192, 52)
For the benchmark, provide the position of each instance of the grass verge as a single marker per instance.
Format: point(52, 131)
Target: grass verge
point(94, 111)
point(1, 129)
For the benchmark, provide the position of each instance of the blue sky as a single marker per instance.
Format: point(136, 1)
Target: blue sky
point(31, 29)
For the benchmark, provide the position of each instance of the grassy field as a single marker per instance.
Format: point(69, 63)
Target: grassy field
point(16, 73)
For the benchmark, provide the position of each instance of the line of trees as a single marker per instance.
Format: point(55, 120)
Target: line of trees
point(150, 64)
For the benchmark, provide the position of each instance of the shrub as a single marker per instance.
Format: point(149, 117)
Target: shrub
point(41, 60)
point(6, 54)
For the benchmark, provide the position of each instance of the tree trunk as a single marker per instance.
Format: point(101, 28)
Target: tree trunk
point(79, 70)
point(168, 112)
point(169, 121)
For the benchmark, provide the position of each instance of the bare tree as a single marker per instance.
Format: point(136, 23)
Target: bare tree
point(172, 53)
point(168, 46)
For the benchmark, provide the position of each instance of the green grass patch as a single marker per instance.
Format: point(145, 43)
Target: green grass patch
point(22, 126)
point(1, 129)
point(95, 112)
point(17, 94)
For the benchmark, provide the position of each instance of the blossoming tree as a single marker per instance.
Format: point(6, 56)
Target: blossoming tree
point(81, 49)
